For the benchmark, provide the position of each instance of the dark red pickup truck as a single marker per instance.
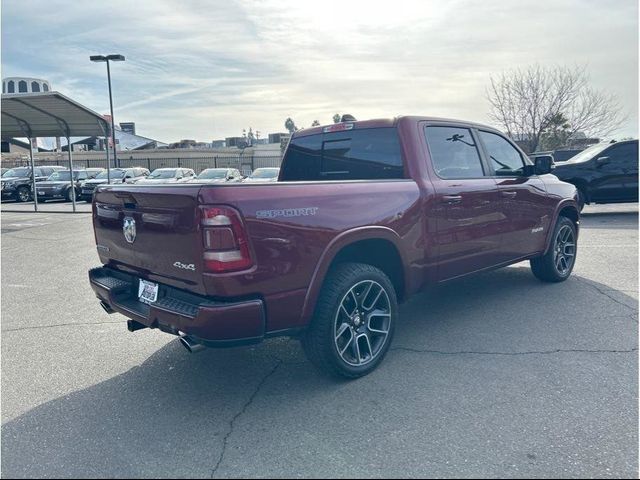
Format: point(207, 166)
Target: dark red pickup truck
point(364, 215)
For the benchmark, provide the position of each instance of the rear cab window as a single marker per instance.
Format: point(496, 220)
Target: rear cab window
point(356, 154)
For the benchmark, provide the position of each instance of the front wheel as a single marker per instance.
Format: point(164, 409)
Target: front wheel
point(72, 195)
point(23, 194)
point(354, 321)
point(556, 265)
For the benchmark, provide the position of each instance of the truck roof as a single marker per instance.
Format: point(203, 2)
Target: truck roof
point(390, 122)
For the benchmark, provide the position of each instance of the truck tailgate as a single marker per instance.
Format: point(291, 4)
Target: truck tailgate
point(167, 246)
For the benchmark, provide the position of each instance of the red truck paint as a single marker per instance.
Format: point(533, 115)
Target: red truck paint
point(295, 231)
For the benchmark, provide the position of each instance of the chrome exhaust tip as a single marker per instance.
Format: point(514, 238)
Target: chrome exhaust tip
point(190, 344)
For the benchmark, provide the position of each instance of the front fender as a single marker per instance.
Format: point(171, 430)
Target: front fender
point(566, 203)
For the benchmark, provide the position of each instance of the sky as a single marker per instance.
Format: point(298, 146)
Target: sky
point(205, 70)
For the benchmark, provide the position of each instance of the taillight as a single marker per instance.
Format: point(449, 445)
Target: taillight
point(226, 247)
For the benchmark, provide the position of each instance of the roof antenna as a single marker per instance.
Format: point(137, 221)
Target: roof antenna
point(348, 118)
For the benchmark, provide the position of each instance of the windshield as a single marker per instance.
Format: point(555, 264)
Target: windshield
point(162, 174)
point(114, 174)
point(265, 173)
point(213, 173)
point(588, 153)
point(61, 176)
point(17, 172)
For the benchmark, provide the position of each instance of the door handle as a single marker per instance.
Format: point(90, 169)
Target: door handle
point(451, 199)
point(509, 194)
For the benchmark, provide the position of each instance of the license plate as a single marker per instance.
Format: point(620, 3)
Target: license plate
point(147, 291)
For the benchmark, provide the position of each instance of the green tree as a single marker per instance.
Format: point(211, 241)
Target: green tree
point(556, 134)
point(315, 123)
point(290, 125)
point(336, 118)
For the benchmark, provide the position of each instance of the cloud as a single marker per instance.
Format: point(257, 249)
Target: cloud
point(207, 69)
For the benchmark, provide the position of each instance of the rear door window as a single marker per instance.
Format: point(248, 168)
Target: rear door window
point(454, 153)
point(367, 154)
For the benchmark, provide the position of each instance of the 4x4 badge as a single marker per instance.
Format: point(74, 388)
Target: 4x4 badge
point(129, 229)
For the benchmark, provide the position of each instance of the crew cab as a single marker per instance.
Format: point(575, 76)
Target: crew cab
point(603, 173)
point(364, 214)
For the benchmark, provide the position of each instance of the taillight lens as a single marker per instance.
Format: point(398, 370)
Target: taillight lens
point(226, 247)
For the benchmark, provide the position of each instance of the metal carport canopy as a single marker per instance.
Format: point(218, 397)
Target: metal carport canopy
point(49, 114)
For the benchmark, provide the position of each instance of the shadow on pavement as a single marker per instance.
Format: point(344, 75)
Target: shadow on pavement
point(168, 417)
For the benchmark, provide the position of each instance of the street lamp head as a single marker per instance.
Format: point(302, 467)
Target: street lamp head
point(103, 58)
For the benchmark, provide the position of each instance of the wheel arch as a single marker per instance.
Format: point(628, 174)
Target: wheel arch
point(377, 246)
point(568, 209)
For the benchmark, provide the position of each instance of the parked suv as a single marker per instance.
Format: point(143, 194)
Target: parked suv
point(363, 215)
point(603, 173)
point(58, 185)
point(16, 182)
point(117, 175)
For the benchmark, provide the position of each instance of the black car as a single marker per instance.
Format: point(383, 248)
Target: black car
point(603, 173)
point(16, 182)
point(58, 185)
point(117, 175)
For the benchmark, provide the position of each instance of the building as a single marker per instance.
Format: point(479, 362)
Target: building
point(129, 127)
point(239, 142)
point(278, 137)
point(218, 144)
point(25, 85)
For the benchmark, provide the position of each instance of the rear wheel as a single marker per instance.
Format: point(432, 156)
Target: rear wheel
point(23, 194)
point(556, 265)
point(354, 321)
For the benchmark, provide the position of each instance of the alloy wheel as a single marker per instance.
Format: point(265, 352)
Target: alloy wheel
point(565, 250)
point(362, 323)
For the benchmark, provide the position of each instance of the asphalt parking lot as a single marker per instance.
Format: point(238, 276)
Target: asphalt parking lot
point(497, 375)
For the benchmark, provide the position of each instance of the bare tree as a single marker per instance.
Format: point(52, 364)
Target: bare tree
point(526, 103)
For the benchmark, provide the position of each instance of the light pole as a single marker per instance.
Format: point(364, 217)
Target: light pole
point(113, 58)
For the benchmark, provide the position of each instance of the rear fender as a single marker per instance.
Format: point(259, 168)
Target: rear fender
point(335, 246)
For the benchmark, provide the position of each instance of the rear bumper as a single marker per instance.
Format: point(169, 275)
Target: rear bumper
point(213, 323)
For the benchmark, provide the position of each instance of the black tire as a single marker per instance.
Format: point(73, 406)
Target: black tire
point(70, 192)
point(551, 267)
point(23, 194)
point(320, 341)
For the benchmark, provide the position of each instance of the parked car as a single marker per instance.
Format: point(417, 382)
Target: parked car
point(262, 175)
point(2, 170)
point(364, 215)
point(218, 175)
point(168, 175)
point(58, 185)
point(16, 182)
point(603, 173)
point(117, 175)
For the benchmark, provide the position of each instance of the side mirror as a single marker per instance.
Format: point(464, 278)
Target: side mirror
point(543, 164)
point(602, 160)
